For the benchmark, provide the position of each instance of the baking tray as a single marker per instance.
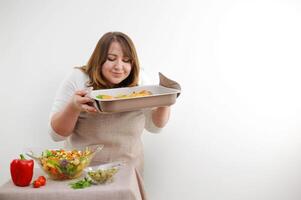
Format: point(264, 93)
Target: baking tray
point(161, 96)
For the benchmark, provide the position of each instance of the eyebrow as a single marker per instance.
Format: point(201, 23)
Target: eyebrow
point(112, 54)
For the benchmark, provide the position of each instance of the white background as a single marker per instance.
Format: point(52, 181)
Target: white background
point(234, 132)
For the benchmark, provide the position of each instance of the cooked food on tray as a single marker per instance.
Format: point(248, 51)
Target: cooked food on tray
point(141, 93)
point(133, 98)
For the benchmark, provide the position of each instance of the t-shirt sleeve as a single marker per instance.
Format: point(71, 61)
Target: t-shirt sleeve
point(74, 81)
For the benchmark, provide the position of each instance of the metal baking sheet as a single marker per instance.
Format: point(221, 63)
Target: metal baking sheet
point(161, 96)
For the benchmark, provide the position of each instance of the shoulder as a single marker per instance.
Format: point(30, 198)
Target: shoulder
point(77, 78)
point(77, 74)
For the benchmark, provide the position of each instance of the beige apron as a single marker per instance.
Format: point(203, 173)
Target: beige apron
point(120, 133)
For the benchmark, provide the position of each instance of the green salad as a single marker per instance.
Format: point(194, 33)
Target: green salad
point(62, 164)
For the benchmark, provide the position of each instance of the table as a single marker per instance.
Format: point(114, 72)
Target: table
point(125, 186)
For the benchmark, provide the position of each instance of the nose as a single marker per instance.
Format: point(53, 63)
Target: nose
point(118, 65)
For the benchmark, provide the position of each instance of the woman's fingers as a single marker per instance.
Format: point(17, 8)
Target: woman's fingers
point(83, 100)
point(81, 92)
point(87, 108)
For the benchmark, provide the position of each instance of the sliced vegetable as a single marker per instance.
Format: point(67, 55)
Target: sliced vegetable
point(61, 164)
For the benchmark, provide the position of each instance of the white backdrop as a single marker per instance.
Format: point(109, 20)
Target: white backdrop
point(235, 130)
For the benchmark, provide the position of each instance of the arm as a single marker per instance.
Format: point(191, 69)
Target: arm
point(160, 116)
point(69, 101)
point(64, 121)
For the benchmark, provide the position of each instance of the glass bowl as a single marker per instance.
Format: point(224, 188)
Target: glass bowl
point(61, 164)
point(103, 173)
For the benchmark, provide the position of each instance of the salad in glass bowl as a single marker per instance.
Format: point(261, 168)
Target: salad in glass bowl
point(103, 173)
point(61, 164)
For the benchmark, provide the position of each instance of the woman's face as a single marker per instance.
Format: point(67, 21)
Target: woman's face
point(117, 67)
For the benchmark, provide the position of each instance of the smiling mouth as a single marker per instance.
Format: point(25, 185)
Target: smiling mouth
point(117, 74)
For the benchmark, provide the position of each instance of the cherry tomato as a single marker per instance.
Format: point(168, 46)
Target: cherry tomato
point(42, 180)
point(36, 184)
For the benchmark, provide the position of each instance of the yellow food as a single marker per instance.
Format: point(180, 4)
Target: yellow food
point(141, 93)
point(104, 96)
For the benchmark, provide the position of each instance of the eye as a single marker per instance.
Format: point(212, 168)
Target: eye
point(111, 58)
point(126, 60)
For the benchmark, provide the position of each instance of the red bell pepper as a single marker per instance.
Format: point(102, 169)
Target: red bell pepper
point(21, 171)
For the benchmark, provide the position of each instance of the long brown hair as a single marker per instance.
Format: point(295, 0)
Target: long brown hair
point(99, 56)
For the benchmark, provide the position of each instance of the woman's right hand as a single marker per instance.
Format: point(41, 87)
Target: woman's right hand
point(82, 102)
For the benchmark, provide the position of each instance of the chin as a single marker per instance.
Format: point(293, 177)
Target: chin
point(116, 82)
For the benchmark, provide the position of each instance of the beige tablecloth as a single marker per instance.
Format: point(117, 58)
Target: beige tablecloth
point(127, 185)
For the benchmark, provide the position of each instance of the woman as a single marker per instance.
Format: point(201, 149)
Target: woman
point(113, 64)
